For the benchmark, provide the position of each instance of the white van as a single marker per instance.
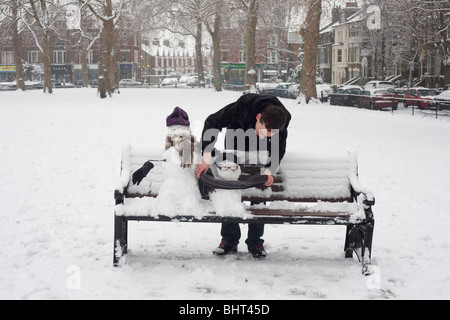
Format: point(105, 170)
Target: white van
point(379, 85)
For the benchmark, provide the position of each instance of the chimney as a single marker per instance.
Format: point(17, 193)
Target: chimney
point(335, 15)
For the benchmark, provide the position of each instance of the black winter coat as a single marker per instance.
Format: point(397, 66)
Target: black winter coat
point(242, 115)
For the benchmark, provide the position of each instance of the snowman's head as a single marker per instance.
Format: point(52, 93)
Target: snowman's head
point(227, 167)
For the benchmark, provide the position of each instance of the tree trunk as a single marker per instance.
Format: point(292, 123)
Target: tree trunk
point(47, 63)
point(199, 54)
point(17, 47)
point(107, 40)
point(446, 75)
point(217, 59)
point(446, 66)
point(45, 46)
point(250, 41)
point(113, 79)
point(84, 64)
point(311, 41)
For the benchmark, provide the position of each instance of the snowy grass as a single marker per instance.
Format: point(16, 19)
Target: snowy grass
point(60, 162)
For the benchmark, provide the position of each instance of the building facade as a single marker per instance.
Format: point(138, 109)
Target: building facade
point(350, 54)
point(66, 57)
point(164, 59)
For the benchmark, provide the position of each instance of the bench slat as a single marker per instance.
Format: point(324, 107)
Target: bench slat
point(297, 214)
point(273, 197)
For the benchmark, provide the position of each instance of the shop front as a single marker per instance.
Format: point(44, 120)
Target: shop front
point(7, 73)
point(62, 73)
point(234, 73)
point(128, 71)
point(92, 74)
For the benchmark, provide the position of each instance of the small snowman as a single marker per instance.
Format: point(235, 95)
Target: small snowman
point(227, 202)
point(179, 191)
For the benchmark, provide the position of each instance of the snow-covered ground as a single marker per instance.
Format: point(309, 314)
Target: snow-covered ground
point(60, 163)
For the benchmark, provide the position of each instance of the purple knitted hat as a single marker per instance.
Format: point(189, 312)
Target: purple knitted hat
point(179, 117)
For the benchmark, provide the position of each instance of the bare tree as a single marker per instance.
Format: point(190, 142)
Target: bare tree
point(423, 29)
point(40, 17)
point(310, 32)
point(251, 8)
point(108, 13)
point(11, 10)
point(439, 23)
point(277, 19)
point(214, 28)
point(187, 18)
point(86, 35)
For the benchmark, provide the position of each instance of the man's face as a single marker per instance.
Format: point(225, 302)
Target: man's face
point(261, 129)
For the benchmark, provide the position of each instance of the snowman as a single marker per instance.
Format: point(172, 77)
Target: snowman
point(179, 191)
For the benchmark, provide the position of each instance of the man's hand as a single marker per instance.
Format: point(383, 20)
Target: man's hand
point(270, 178)
point(204, 165)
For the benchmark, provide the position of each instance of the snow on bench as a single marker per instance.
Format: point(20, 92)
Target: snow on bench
point(308, 189)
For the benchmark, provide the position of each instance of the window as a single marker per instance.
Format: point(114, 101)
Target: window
point(322, 57)
point(339, 55)
point(354, 32)
point(33, 57)
point(8, 57)
point(273, 40)
point(224, 56)
point(272, 57)
point(242, 56)
point(90, 57)
point(59, 56)
point(354, 54)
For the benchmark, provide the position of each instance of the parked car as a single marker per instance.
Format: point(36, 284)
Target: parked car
point(153, 80)
point(377, 99)
point(423, 98)
point(281, 89)
point(346, 96)
point(443, 100)
point(34, 85)
point(63, 85)
point(170, 82)
point(266, 87)
point(323, 92)
point(293, 91)
point(192, 81)
point(8, 86)
point(129, 83)
point(379, 85)
point(182, 82)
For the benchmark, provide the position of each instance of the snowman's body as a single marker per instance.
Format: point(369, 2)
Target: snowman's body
point(227, 202)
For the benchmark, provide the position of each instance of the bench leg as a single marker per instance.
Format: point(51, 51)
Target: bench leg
point(359, 240)
point(347, 247)
point(367, 248)
point(120, 238)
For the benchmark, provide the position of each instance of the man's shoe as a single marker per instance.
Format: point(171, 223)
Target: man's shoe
point(258, 251)
point(224, 248)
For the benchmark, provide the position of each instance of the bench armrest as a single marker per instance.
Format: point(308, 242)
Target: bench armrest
point(357, 187)
point(125, 168)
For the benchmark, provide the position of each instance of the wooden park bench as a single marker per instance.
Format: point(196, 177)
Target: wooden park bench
point(308, 190)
